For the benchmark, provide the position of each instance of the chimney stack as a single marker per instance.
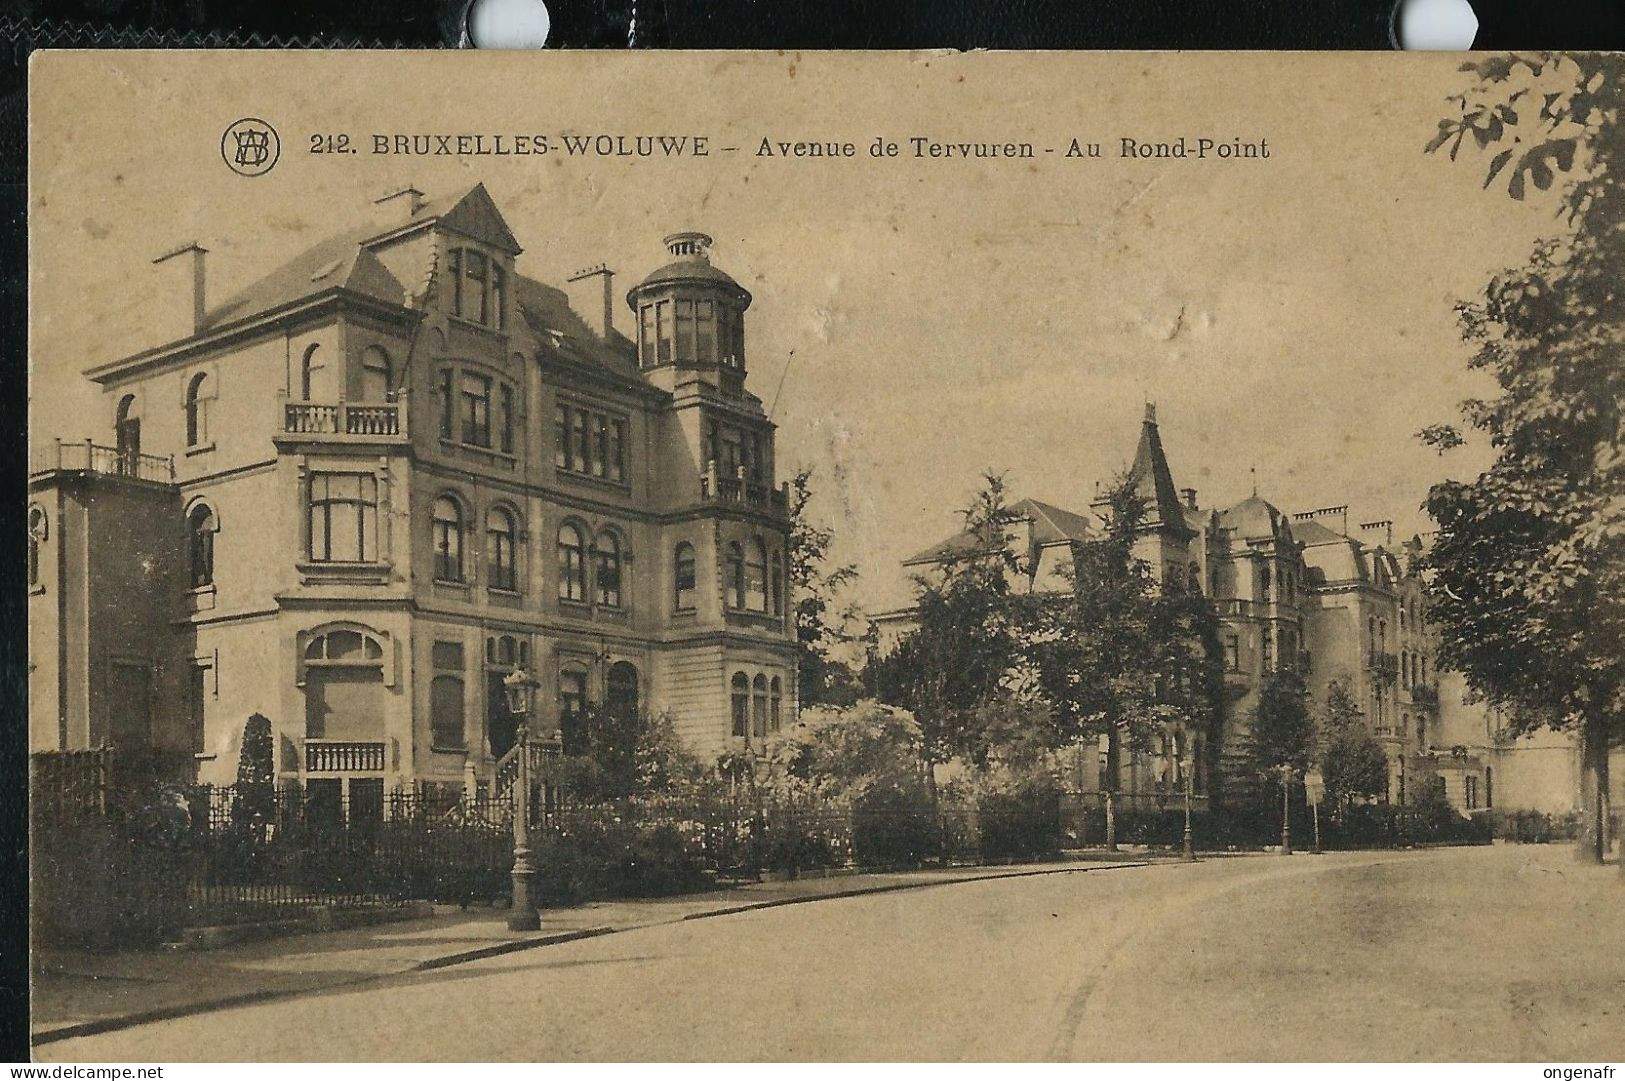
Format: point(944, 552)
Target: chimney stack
point(187, 323)
point(401, 204)
point(592, 295)
point(1190, 497)
point(1386, 525)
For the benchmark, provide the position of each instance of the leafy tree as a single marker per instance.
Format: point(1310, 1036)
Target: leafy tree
point(845, 751)
point(964, 644)
point(612, 754)
point(1529, 562)
point(815, 589)
point(1352, 761)
point(1282, 730)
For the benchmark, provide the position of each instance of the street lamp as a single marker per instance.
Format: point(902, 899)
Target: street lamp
point(520, 689)
point(1189, 854)
point(1286, 810)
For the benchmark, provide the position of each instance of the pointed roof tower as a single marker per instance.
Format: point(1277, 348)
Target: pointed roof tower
point(1152, 478)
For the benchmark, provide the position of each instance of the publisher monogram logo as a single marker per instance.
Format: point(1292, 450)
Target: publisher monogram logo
point(250, 147)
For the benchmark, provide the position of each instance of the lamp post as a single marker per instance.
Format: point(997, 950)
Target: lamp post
point(1286, 810)
point(1189, 852)
point(520, 688)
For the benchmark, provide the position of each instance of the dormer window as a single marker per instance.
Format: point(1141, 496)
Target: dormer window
point(478, 287)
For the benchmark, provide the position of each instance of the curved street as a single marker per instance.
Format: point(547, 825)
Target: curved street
point(1503, 953)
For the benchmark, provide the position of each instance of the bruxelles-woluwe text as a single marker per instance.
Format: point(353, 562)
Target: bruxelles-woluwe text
point(501, 145)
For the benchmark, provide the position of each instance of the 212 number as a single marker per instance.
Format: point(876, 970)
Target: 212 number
point(330, 144)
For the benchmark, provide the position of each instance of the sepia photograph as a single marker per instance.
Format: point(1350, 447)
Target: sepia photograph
point(780, 557)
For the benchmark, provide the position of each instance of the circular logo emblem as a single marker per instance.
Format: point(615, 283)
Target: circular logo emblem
point(250, 147)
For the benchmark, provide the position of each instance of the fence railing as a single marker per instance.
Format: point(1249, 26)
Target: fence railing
point(91, 457)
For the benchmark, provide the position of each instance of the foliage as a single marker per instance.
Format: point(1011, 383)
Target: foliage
point(256, 770)
point(965, 642)
point(1017, 812)
point(842, 753)
point(1529, 563)
point(815, 589)
point(1282, 730)
point(1534, 827)
point(893, 826)
point(1352, 761)
point(620, 754)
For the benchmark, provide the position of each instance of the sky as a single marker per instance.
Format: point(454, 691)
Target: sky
point(916, 321)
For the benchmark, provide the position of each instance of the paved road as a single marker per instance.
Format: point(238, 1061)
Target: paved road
point(1504, 953)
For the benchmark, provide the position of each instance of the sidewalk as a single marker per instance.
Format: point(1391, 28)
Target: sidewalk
point(77, 993)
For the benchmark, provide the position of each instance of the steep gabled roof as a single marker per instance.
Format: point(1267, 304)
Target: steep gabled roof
point(338, 262)
point(564, 336)
point(1050, 525)
point(471, 212)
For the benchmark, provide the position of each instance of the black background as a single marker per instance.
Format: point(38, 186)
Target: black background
point(727, 24)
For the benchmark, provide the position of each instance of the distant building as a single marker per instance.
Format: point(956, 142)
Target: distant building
point(360, 494)
point(1303, 593)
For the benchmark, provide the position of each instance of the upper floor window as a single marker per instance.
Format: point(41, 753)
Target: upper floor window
point(342, 516)
point(1232, 652)
point(446, 728)
point(572, 564)
point(310, 371)
point(775, 705)
point(756, 576)
point(689, 331)
point(197, 410)
point(759, 706)
point(778, 584)
point(475, 409)
point(38, 528)
point(683, 568)
point(736, 574)
point(502, 572)
point(478, 287)
point(447, 524)
point(589, 442)
point(505, 421)
point(200, 535)
point(607, 572)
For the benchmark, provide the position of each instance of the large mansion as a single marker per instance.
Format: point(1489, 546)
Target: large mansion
point(357, 496)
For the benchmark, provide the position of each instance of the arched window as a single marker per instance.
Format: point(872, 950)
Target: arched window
point(775, 704)
point(127, 436)
point(572, 564)
point(38, 531)
point(200, 549)
point(607, 572)
point(499, 296)
point(756, 577)
point(736, 575)
point(310, 367)
point(197, 410)
point(759, 707)
point(740, 699)
point(377, 375)
point(345, 698)
point(1263, 581)
point(501, 570)
point(683, 574)
point(778, 584)
point(448, 539)
point(621, 691)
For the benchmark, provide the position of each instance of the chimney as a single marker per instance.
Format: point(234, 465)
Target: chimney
point(1189, 495)
point(401, 204)
point(1386, 525)
point(592, 295)
point(189, 293)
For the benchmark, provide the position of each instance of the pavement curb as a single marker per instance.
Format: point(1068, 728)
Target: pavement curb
point(249, 998)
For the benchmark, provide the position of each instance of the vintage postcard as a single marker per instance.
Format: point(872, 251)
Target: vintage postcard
point(804, 557)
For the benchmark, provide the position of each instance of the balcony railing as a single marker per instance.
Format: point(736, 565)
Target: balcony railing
point(343, 756)
point(363, 419)
point(717, 486)
point(88, 457)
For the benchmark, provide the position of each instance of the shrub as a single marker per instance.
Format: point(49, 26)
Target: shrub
point(1018, 815)
point(893, 826)
point(1534, 827)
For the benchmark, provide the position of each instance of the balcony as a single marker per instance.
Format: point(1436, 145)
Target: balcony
point(343, 756)
point(717, 487)
point(345, 421)
point(88, 457)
